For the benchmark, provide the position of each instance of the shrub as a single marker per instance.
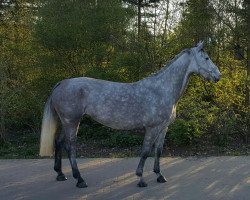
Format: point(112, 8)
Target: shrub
point(123, 140)
point(183, 132)
point(91, 130)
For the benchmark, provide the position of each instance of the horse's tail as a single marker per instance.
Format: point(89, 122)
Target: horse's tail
point(48, 130)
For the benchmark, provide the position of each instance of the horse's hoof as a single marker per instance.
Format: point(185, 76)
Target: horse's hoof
point(142, 184)
point(61, 177)
point(81, 184)
point(161, 179)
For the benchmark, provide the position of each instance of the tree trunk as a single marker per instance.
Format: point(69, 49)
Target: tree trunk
point(2, 121)
point(247, 100)
point(165, 31)
point(139, 18)
point(248, 54)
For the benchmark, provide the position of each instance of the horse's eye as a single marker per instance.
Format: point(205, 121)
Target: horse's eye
point(206, 58)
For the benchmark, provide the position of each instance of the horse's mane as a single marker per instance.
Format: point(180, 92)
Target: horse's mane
point(170, 63)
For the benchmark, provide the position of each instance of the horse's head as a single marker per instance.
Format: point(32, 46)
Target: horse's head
point(203, 65)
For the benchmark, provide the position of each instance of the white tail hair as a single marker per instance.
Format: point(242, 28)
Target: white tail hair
point(48, 130)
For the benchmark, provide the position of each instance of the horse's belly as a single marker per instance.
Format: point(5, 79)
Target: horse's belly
point(126, 119)
point(123, 113)
point(122, 122)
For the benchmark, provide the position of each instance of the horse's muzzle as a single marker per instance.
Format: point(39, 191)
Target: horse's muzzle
point(216, 78)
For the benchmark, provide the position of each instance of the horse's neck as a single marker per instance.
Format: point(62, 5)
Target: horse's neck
point(174, 79)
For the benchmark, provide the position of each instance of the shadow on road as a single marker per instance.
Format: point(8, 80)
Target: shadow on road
point(188, 178)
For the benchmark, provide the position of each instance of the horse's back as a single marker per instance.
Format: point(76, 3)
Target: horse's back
point(76, 94)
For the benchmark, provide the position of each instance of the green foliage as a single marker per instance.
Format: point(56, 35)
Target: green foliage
point(80, 35)
point(77, 24)
point(21, 144)
point(183, 132)
point(197, 21)
point(123, 140)
point(107, 137)
point(90, 130)
point(18, 67)
point(100, 39)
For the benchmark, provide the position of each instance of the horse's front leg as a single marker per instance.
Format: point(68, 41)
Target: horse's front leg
point(158, 151)
point(70, 146)
point(147, 145)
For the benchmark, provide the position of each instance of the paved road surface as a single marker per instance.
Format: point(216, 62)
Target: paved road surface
point(188, 179)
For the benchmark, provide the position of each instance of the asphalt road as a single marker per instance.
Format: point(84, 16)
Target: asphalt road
point(188, 179)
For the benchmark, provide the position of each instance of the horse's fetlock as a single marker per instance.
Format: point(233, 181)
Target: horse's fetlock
point(156, 170)
point(80, 179)
point(57, 169)
point(76, 174)
point(139, 173)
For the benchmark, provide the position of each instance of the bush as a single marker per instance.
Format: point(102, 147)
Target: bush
point(123, 140)
point(91, 130)
point(183, 132)
point(230, 127)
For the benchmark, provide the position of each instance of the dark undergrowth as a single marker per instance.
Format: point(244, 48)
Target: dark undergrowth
point(20, 144)
point(104, 142)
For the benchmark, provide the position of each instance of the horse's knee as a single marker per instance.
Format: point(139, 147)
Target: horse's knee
point(69, 146)
point(145, 153)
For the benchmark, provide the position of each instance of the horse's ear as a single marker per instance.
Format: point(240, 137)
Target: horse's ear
point(200, 45)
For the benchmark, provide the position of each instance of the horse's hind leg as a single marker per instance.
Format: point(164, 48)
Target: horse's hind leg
point(158, 151)
point(58, 157)
point(147, 145)
point(70, 130)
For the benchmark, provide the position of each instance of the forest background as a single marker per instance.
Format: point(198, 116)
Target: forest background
point(45, 41)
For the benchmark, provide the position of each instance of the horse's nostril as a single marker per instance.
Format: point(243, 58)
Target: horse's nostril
point(216, 79)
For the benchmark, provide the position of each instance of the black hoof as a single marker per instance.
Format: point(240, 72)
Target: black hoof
point(142, 184)
point(161, 179)
point(81, 184)
point(61, 177)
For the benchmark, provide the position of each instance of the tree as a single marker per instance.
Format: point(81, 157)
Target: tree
point(197, 21)
point(140, 4)
point(82, 35)
point(17, 63)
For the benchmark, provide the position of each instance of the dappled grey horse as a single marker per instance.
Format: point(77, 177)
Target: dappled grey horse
point(148, 104)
